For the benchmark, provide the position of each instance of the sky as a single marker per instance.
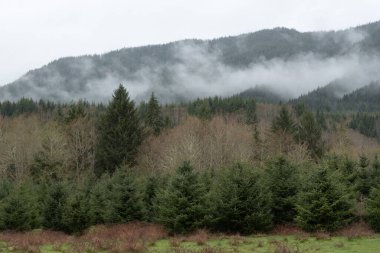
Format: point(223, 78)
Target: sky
point(34, 33)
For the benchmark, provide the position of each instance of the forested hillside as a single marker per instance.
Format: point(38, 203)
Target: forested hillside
point(290, 61)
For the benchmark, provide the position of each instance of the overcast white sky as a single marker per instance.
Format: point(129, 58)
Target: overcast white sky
point(33, 33)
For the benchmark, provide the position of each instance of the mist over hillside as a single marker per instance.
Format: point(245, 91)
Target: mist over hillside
point(286, 61)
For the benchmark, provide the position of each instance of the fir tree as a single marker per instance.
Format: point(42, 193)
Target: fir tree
point(126, 198)
point(153, 116)
point(150, 193)
point(100, 202)
point(120, 134)
point(250, 113)
point(324, 204)
point(283, 182)
point(283, 122)
point(310, 133)
point(241, 202)
point(76, 213)
point(373, 209)
point(54, 207)
point(19, 210)
point(181, 206)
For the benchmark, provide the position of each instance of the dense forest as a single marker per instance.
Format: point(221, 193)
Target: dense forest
point(225, 164)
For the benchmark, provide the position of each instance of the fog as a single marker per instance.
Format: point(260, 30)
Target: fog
point(196, 71)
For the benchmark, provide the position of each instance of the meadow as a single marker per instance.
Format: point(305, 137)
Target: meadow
point(138, 238)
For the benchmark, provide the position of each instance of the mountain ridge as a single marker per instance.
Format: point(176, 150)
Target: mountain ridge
point(171, 69)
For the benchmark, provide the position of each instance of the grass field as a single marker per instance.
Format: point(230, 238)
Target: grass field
point(275, 244)
point(140, 238)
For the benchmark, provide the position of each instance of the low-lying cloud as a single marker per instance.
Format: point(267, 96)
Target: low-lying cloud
point(198, 71)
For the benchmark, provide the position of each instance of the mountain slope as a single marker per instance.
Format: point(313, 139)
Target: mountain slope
point(336, 97)
point(187, 69)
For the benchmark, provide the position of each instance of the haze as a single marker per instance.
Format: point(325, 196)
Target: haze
point(34, 33)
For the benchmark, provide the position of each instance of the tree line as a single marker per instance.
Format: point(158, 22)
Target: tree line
point(236, 199)
point(319, 194)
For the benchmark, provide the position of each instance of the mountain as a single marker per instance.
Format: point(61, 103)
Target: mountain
point(323, 98)
point(365, 99)
point(336, 97)
point(291, 61)
point(263, 94)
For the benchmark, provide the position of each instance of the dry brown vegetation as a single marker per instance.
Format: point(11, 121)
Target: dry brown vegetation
point(350, 143)
point(356, 230)
point(288, 230)
point(133, 237)
point(32, 241)
point(67, 146)
point(217, 143)
point(281, 247)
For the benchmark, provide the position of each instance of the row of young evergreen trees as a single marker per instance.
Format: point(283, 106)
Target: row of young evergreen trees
point(243, 199)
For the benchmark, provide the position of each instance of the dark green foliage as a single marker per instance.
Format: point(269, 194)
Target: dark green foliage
point(100, 202)
point(181, 205)
point(323, 98)
point(207, 107)
point(373, 209)
point(364, 123)
point(321, 119)
point(43, 166)
point(76, 212)
point(126, 199)
point(284, 184)
point(76, 110)
point(329, 98)
point(324, 203)
point(153, 117)
point(283, 122)
point(151, 187)
point(364, 176)
point(120, 134)
point(54, 207)
point(299, 109)
point(310, 133)
point(24, 105)
point(19, 210)
point(241, 202)
point(365, 99)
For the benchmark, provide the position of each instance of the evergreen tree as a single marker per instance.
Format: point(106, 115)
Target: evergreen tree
point(54, 207)
point(19, 210)
point(324, 204)
point(181, 206)
point(76, 213)
point(250, 113)
point(120, 134)
point(364, 176)
point(283, 122)
point(100, 202)
point(310, 133)
point(373, 209)
point(241, 202)
point(153, 115)
point(283, 183)
point(150, 193)
point(126, 198)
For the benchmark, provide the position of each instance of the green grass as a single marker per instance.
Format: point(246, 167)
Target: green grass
point(255, 244)
point(267, 244)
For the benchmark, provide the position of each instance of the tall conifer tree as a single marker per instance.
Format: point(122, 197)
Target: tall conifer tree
point(120, 134)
